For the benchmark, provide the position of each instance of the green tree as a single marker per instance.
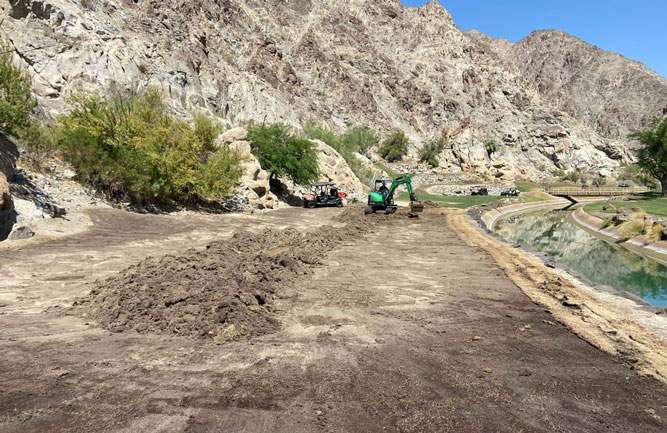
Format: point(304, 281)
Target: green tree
point(360, 139)
point(16, 101)
point(429, 152)
point(636, 174)
point(652, 155)
point(283, 154)
point(395, 147)
point(491, 146)
point(129, 147)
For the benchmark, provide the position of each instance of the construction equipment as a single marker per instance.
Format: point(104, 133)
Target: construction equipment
point(323, 194)
point(383, 197)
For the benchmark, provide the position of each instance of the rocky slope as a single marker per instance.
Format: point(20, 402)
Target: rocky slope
point(550, 100)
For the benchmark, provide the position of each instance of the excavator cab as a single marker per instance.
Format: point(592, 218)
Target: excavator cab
point(382, 199)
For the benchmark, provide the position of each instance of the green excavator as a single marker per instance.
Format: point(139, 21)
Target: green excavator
point(382, 199)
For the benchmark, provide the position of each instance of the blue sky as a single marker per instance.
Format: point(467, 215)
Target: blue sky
point(637, 29)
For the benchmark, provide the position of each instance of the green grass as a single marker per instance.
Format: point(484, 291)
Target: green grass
point(525, 186)
point(597, 207)
point(650, 202)
point(391, 173)
point(458, 201)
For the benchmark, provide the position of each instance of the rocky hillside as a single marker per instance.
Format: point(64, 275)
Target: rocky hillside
point(550, 101)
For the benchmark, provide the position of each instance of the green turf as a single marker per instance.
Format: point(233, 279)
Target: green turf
point(650, 202)
point(458, 201)
point(391, 173)
point(525, 186)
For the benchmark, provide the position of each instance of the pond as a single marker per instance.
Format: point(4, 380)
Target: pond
point(601, 262)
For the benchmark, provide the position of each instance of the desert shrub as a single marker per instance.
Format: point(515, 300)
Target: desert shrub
point(394, 147)
point(490, 146)
point(606, 223)
point(16, 101)
point(207, 130)
point(599, 181)
point(572, 176)
point(630, 229)
point(654, 233)
point(360, 139)
point(220, 174)
point(40, 142)
point(284, 154)
point(129, 147)
point(429, 152)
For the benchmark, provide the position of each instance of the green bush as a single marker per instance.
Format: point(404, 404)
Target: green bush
point(606, 223)
point(572, 176)
point(40, 142)
point(360, 139)
point(206, 130)
point(599, 181)
point(220, 174)
point(395, 147)
point(16, 101)
point(429, 152)
point(283, 154)
point(129, 147)
point(491, 146)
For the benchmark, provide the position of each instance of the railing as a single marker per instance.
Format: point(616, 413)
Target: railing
point(594, 192)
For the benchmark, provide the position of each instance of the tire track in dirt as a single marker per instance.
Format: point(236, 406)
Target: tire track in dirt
point(584, 315)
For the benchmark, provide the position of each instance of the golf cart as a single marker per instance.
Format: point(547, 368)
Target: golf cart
point(323, 194)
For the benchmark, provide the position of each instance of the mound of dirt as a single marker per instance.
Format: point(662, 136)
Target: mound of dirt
point(222, 292)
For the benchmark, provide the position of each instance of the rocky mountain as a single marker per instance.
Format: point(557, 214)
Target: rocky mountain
point(550, 100)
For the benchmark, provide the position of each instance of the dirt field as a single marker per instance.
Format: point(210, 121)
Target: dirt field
point(405, 329)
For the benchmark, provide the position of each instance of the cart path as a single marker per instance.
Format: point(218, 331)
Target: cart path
point(407, 330)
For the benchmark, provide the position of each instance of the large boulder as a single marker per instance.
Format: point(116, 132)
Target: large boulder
point(255, 184)
point(333, 168)
point(8, 155)
point(7, 213)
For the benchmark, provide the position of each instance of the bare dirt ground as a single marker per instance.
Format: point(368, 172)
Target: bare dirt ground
point(406, 329)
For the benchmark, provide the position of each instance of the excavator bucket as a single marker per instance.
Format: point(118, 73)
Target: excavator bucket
point(416, 206)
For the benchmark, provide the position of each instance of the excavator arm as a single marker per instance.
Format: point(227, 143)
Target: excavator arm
point(415, 204)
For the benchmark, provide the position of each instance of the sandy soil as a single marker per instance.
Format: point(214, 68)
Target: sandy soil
point(405, 329)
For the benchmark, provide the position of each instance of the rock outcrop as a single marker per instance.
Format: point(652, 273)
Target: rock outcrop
point(255, 184)
point(8, 156)
point(333, 168)
point(550, 101)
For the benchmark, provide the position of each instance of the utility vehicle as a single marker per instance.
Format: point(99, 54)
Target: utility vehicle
point(323, 194)
point(479, 190)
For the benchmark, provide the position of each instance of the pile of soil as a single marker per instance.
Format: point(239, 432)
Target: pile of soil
point(222, 292)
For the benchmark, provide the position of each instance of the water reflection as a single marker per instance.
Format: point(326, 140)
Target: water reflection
point(602, 263)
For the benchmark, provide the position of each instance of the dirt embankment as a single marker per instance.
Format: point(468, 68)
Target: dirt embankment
point(584, 315)
point(406, 329)
point(222, 292)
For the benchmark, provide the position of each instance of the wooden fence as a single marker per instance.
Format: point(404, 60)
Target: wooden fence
point(594, 191)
